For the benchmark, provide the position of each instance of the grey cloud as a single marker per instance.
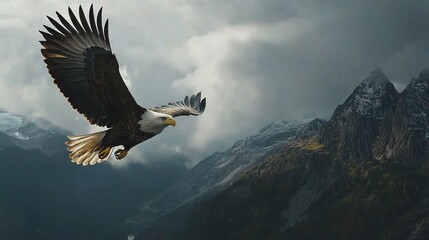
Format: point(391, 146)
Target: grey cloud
point(310, 76)
point(257, 61)
point(238, 11)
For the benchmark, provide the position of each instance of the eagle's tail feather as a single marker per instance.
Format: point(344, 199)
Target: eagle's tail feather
point(85, 149)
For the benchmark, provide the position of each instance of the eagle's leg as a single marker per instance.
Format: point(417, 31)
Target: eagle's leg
point(104, 152)
point(121, 153)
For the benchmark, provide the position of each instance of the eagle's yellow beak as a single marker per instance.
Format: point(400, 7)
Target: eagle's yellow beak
point(171, 122)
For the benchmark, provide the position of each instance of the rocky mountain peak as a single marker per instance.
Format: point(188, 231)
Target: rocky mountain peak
point(416, 99)
point(354, 126)
point(377, 76)
point(405, 131)
point(370, 99)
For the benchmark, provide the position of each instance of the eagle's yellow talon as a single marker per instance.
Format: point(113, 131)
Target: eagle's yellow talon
point(120, 153)
point(104, 153)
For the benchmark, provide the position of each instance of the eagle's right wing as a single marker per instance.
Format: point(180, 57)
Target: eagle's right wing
point(189, 106)
point(79, 58)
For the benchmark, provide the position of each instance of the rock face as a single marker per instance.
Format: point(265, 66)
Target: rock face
point(363, 175)
point(405, 131)
point(355, 124)
point(220, 169)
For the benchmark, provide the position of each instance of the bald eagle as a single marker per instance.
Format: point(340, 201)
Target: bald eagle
point(80, 60)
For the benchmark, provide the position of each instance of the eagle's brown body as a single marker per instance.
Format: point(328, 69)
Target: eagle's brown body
point(79, 58)
point(127, 132)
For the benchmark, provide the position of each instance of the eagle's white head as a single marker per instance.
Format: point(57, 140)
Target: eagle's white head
point(154, 122)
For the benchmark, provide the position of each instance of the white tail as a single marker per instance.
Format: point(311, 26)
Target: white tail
point(85, 148)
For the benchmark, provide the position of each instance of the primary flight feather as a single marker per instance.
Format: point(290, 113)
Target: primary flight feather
point(80, 60)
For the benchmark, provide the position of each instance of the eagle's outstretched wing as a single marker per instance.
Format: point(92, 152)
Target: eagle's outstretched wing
point(189, 106)
point(79, 58)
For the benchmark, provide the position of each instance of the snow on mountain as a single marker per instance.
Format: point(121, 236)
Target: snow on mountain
point(268, 138)
point(406, 131)
point(355, 124)
point(371, 98)
point(220, 169)
point(10, 125)
point(26, 134)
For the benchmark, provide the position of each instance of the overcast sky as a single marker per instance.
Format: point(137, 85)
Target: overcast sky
point(255, 61)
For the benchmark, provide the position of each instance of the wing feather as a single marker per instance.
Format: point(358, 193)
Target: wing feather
point(106, 32)
point(88, 31)
point(76, 22)
point(67, 24)
point(99, 23)
point(58, 26)
point(79, 58)
point(189, 106)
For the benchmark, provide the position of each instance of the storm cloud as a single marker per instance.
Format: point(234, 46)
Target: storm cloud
point(255, 61)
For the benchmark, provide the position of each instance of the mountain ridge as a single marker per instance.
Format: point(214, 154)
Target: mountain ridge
point(221, 168)
point(345, 182)
point(28, 135)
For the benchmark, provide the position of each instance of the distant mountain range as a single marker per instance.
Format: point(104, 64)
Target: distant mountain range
point(45, 196)
point(20, 131)
point(364, 174)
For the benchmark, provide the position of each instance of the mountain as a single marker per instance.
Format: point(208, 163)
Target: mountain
point(45, 196)
point(222, 168)
point(363, 175)
point(28, 135)
point(405, 132)
point(355, 124)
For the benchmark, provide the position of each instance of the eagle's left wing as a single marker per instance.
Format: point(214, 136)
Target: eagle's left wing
point(79, 58)
point(189, 106)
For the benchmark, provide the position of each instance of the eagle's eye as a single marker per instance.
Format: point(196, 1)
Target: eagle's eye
point(163, 118)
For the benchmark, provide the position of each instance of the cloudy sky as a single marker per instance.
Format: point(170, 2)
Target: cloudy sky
point(255, 61)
